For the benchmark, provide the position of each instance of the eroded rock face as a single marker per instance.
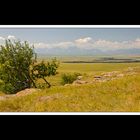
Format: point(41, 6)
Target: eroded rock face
point(20, 93)
point(26, 91)
point(79, 82)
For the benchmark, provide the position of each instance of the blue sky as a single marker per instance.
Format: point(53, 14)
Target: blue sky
point(59, 35)
point(104, 39)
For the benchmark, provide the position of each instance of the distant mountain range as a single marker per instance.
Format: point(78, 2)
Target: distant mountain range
point(77, 51)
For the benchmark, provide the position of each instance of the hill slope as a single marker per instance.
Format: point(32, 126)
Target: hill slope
point(121, 94)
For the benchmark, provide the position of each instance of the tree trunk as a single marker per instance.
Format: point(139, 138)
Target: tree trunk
point(49, 85)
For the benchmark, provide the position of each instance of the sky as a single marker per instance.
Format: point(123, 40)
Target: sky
point(83, 38)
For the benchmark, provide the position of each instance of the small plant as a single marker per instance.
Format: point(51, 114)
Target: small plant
point(69, 78)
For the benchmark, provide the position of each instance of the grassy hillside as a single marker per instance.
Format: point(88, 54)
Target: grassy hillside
point(88, 70)
point(122, 94)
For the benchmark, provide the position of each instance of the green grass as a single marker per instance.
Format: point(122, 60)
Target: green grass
point(95, 67)
point(88, 70)
point(120, 95)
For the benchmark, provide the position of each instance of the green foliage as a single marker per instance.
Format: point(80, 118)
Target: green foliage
point(69, 78)
point(42, 70)
point(15, 61)
point(18, 66)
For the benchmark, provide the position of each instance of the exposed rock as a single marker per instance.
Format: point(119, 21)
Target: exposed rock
point(66, 85)
point(120, 75)
point(97, 77)
point(110, 74)
point(26, 92)
point(79, 77)
point(79, 82)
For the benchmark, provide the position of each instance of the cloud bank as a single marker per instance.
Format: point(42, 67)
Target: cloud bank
point(11, 37)
point(86, 43)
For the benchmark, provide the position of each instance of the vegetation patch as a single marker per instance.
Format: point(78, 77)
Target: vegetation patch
point(69, 78)
point(19, 68)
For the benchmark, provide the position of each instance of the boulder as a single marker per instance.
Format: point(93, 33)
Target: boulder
point(79, 82)
point(79, 77)
point(26, 91)
point(97, 77)
point(66, 85)
point(120, 75)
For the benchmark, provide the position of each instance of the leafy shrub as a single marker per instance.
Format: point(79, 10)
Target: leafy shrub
point(42, 70)
point(19, 68)
point(69, 78)
point(15, 61)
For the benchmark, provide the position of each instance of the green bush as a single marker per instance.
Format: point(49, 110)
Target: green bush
point(69, 78)
point(1, 85)
point(15, 61)
point(19, 68)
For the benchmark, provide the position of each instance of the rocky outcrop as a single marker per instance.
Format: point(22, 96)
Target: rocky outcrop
point(79, 77)
point(20, 93)
point(79, 82)
point(26, 91)
point(104, 77)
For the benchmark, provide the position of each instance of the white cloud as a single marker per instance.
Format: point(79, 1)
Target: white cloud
point(53, 45)
point(84, 43)
point(11, 37)
point(137, 39)
point(83, 40)
point(2, 38)
point(89, 43)
point(63, 44)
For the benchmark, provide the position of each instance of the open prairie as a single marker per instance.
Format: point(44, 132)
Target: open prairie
point(120, 91)
point(70, 68)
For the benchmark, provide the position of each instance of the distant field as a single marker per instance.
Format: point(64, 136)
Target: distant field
point(96, 59)
point(94, 67)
